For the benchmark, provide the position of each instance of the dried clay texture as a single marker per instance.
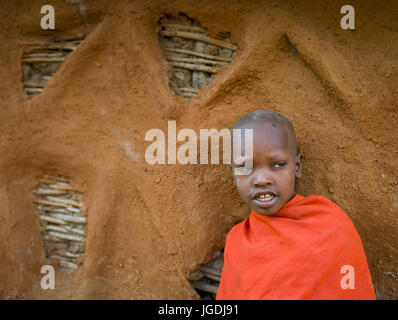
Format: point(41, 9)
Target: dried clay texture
point(207, 278)
point(62, 222)
point(193, 55)
point(150, 226)
point(41, 63)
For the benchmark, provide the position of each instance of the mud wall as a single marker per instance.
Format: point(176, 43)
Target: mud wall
point(149, 226)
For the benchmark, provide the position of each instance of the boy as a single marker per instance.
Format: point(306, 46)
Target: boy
point(290, 247)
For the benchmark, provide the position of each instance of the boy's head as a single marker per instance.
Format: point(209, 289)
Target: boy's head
point(277, 162)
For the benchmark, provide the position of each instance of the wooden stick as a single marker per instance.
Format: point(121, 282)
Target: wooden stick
point(78, 231)
point(67, 254)
point(51, 219)
point(48, 192)
point(195, 276)
point(188, 94)
point(43, 55)
point(194, 67)
point(73, 210)
point(42, 59)
point(62, 182)
point(51, 204)
point(75, 230)
point(63, 188)
point(184, 27)
point(204, 286)
point(70, 218)
point(202, 55)
point(33, 90)
point(65, 45)
point(60, 257)
point(66, 201)
point(193, 60)
point(212, 276)
point(199, 37)
point(67, 264)
point(72, 45)
point(56, 228)
point(211, 271)
point(33, 85)
point(67, 236)
point(51, 209)
point(191, 90)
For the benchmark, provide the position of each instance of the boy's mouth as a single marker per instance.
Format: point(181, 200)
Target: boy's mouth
point(265, 199)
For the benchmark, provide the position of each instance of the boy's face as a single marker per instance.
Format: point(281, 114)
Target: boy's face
point(271, 181)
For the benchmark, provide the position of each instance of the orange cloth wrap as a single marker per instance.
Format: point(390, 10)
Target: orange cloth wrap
point(298, 253)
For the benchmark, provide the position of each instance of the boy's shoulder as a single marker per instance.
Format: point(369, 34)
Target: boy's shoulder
point(324, 205)
point(322, 208)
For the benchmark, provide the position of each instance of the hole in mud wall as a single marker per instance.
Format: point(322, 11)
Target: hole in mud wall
point(286, 46)
point(194, 56)
point(41, 63)
point(206, 279)
point(62, 222)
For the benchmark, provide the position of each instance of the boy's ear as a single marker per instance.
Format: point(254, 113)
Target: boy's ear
point(299, 164)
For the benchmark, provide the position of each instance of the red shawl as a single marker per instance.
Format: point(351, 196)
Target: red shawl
point(309, 249)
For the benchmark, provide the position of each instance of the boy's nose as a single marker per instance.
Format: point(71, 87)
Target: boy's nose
point(262, 179)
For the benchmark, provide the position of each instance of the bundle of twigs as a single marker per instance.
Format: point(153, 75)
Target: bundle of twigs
point(207, 278)
point(201, 65)
point(62, 222)
point(40, 64)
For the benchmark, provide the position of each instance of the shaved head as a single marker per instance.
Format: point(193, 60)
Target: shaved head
point(268, 117)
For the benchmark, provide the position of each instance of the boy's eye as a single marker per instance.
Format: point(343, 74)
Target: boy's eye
point(279, 164)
